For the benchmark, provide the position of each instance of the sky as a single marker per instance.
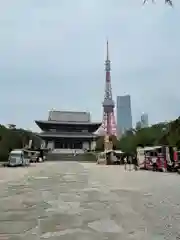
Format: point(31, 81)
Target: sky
point(52, 55)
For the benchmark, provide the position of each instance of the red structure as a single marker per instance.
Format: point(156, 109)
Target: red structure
point(108, 126)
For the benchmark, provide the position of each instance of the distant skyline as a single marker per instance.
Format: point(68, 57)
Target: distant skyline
point(52, 55)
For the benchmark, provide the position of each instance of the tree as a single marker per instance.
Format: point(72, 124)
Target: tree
point(127, 144)
point(12, 138)
point(158, 134)
point(100, 144)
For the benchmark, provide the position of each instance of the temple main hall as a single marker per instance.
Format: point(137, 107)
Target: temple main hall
point(68, 130)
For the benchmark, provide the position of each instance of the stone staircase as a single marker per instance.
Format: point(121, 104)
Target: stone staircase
point(83, 157)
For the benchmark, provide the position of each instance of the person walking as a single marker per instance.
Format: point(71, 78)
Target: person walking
point(125, 163)
point(75, 152)
point(130, 162)
point(154, 163)
point(135, 163)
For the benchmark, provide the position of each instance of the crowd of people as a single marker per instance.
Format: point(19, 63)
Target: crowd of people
point(130, 163)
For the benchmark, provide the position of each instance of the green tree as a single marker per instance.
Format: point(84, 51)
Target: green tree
point(100, 144)
point(158, 134)
point(15, 138)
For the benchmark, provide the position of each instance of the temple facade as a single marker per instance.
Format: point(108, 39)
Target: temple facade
point(65, 130)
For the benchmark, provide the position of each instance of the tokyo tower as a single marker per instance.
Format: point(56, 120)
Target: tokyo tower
point(108, 127)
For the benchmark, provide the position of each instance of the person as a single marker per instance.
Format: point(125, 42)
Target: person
point(125, 163)
point(135, 163)
point(154, 164)
point(74, 152)
point(130, 162)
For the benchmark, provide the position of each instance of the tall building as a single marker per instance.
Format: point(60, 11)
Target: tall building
point(138, 125)
point(124, 115)
point(108, 126)
point(144, 120)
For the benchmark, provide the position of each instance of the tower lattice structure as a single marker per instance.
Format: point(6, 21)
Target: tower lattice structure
point(108, 127)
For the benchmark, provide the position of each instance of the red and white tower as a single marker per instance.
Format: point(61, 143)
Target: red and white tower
point(108, 127)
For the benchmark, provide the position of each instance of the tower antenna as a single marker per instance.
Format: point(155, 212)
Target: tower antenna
point(108, 127)
point(107, 50)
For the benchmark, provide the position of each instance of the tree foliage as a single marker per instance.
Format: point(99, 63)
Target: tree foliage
point(14, 139)
point(158, 134)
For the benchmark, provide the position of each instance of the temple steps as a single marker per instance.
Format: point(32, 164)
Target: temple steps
point(84, 157)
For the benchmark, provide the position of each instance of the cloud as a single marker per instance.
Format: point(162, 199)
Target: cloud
point(52, 54)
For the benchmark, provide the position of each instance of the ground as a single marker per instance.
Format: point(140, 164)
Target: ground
point(85, 201)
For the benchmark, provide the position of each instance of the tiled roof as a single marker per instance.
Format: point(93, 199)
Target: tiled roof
point(68, 123)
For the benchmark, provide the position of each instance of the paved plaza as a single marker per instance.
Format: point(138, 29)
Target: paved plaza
point(85, 201)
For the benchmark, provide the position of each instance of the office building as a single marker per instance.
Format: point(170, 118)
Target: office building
point(138, 125)
point(124, 115)
point(144, 120)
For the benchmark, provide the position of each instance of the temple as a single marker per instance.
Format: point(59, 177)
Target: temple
point(65, 130)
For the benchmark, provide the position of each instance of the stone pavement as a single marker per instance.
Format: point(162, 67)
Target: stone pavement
point(85, 201)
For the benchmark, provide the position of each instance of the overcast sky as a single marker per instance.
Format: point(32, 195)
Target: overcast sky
point(52, 55)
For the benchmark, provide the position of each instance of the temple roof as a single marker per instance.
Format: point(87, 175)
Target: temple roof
point(66, 134)
point(66, 123)
point(68, 119)
point(69, 116)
